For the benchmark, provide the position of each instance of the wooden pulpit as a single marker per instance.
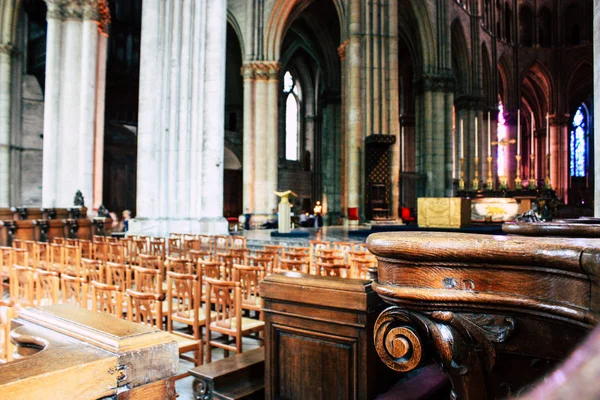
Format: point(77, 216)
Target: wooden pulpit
point(67, 352)
point(495, 312)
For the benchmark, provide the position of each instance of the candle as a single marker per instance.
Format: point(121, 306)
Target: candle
point(532, 132)
point(547, 134)
point(519, 133)
point(462, 148)
point(476, 138)
point(489, 135)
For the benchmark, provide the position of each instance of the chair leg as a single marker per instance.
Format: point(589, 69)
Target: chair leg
point(238, 343)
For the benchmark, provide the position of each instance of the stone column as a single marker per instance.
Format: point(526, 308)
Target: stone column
point(100, 106)
point(6, 53)
point(449, 144)
point(272, 132)
point(354, 137)
point(181, 129)
point(597, 106)
point(393, 95)
point(248, 142)
point(51, 103)
point(74, 100)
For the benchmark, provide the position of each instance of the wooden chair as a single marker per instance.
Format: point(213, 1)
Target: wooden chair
point(206, 243)
point(47, 287)
point(274, 248)
point(100, 250)
point(316, 246)
point(57, 240)
point(127, 243)
point(360, 263)
point(57, 257)
point(72, 261)
point(266, 261)
point(116, 253)
point(140, 246)
point(157, 248)
point(118, 275)
point(226, 297)
point(249, 278)
point(221, 244)
point(22, 257)
point(107, 299)
point(237, 242)
point(197, 255)
point(238, 255)
point(99, 239)
point(226, 260)
point(148, 280)
point(211, 269)
point(344, 248)
point(6, 263)
point(184, 306)
point(22, 283)
point(6, 315)
point(191, 244)
point(175, 246)
point(146, 308)
point(179, 265)
point(93, 270)
point(151, 262)
point(74, 290)
point(325, 268)
point(287, 264)
point(41, 255)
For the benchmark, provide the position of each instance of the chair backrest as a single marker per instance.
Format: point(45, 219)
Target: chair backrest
point(209, 269)
point(175, 246)
point(6, 263)
point(41, 255)
point(22, 286)
point(179, 265)
point(266, 261)
point(118, 275)
point(116, 253)
point(237, 242)
point(225, 296)
point(74, 290)
point(21, 257)
point(238, 255)
point(99, 238)
point(144, 308)
point(107, 299)
point(249, 278)
point(183, 295)
point(206, 243)
point(151, 262)
point(47, 287)
point(288, 264)
point(148, 280)
point(140, 246)
point(72, 263)
point(190, 244)
point(58, 240)
point(18, 244)
point(93, 270)
point(274, 248)
point(221, 244)
point(157, 248)
point(57, 257)
point(332, 269)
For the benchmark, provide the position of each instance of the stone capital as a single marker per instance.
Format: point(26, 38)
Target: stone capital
point(56, 9)
point(435, 83)
point(73, 9)
point(261, 70)
point(7, 48)
point(560, 119)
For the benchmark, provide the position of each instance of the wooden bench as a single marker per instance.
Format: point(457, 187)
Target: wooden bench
point(239, 377)
point(497, 313)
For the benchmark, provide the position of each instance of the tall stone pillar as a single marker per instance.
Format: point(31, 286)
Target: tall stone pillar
point(597, 106)
point(72, 99)
point(7, 52)
point(181, 128)
point(354, 133)
point(261, 91)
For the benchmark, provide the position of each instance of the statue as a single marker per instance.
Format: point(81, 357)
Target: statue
point(78, 201)
point(284, 210)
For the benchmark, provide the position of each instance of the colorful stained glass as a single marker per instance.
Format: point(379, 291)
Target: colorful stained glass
point(578, 143)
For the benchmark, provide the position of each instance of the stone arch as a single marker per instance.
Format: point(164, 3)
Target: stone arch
point(461, 60)
point(580, 84)
point(238, 31)
point(506, 82)
point(414, 25)
point(487, 80)
point(283, 15)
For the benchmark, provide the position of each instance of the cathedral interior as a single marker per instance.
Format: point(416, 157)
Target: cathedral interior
point(377, 115)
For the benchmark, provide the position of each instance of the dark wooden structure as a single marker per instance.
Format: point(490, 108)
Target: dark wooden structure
point(72, 353)
point(584, 228)
point(319, 338)
point(45, 224)
point(495, 312)
point(241, 376)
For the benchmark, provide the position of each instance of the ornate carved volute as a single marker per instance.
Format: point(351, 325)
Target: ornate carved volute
point(202, 389)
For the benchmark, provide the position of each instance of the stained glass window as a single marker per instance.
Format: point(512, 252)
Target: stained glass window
point(292, 111)
point(578, 143)
point(501, 156)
